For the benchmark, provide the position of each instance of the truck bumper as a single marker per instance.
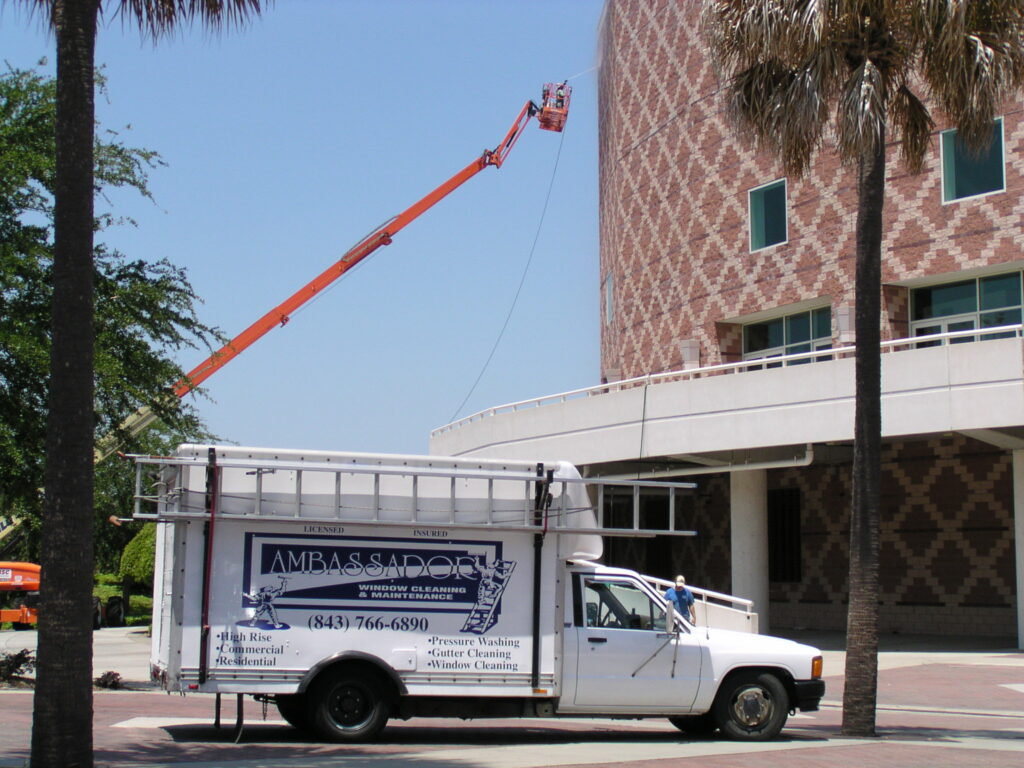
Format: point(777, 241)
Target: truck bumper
point(808, 694)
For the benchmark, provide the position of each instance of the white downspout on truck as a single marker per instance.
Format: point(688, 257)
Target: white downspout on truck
point(354, 588)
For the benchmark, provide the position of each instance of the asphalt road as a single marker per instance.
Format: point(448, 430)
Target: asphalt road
point(941, 703)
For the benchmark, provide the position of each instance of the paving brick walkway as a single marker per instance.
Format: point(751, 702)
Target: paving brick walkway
point(937, 707)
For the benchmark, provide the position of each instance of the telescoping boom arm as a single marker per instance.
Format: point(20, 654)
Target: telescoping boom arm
point(550, 117)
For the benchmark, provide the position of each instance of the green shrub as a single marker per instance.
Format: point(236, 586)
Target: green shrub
point(141, 613)
point(14, 664)
point(110, 680)
point(139, 557)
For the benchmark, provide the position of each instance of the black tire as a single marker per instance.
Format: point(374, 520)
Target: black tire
point(697, 725)
point(751, 706)
point(345, 705)
point(20, 626)
point(98, 617)
point(293, 709)
point(115, 612)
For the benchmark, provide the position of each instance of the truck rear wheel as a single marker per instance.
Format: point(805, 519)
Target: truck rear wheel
point(347, 705)
point(698, 725)
point(293, 709)
point(751, 706)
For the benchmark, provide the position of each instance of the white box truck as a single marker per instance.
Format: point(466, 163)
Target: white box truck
point(351, 588)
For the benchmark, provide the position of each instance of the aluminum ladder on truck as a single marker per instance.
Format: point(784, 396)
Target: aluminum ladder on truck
point(393, 491)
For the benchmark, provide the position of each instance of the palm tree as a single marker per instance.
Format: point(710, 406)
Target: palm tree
point(62, 717)
point(798, 72)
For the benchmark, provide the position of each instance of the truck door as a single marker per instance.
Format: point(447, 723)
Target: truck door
point(625, 660)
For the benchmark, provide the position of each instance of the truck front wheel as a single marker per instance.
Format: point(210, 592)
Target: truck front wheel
point(751, 706)
point(347, 705)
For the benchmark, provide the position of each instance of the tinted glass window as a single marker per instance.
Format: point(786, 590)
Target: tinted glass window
point(966, 173)
point(768, 215)
point(948, 299)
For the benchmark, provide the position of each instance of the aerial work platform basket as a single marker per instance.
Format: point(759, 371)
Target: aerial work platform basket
point(554, 106)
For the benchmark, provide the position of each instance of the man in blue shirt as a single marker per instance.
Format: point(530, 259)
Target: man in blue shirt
point(682, 599)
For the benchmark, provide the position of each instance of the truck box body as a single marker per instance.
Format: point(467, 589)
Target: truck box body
point(431, 586)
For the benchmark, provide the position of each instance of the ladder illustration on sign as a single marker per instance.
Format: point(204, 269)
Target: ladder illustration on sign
point(493, 579)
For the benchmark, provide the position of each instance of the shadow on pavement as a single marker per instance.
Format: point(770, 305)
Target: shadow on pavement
point(441, 736)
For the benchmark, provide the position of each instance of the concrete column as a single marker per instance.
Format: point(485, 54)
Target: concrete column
point(748, 493)
point(1018, 538)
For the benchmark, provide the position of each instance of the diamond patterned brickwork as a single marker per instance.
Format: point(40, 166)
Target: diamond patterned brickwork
point(947, 551)
point(896, 300)
point(947, 558)
point(674, 215)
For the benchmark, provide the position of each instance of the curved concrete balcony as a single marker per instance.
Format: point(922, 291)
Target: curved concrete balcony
point(975, 387)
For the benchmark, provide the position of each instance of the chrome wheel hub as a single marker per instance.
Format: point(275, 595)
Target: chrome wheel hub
point(752, 707)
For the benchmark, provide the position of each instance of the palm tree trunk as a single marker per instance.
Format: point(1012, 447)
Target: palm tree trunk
point(861, 684)
point(62, 716)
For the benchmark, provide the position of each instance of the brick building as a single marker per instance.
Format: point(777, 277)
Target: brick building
point(712, 259)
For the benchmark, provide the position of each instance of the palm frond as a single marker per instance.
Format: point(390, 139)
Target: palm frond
point(780, 73)
point(861, 112)
point(972, 59)
point(911, 121)
point(158, 17)
point(742, 32)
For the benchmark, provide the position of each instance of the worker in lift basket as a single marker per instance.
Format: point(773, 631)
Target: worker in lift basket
point(682, 599)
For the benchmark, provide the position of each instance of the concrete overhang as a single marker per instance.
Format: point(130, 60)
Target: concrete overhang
point(975, 388)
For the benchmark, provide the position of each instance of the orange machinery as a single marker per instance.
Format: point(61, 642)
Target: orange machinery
point(551, 115)
point(19, 593)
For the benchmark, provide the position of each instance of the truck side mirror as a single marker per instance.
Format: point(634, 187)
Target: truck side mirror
point(670, 619)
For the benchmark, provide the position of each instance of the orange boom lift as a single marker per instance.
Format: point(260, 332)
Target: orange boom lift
point(19, 593)
point(551, 115)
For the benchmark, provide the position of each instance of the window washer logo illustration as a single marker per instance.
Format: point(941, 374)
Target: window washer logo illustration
point(493, 578)
point(263, 600)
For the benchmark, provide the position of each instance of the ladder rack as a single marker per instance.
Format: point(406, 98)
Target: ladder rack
point(391, 491)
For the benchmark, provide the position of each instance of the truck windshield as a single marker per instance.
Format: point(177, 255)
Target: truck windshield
point(615, 604)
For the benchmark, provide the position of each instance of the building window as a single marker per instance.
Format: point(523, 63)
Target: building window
point(609, 307)
point(966, 174)
point(785, 562)
point(768, 215)
point(789, 335)
point(986, 302)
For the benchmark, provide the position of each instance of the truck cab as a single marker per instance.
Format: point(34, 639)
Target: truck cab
point(634, 655)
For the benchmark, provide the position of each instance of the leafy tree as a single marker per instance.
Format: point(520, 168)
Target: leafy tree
point(62, 715)
point(144, 312)
point(139, 556)
point(49, 267)
point(792, 68)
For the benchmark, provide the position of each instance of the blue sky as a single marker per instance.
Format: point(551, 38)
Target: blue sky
point(289, 140)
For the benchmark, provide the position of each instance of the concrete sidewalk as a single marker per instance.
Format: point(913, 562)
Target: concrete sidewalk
point(124, 650)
